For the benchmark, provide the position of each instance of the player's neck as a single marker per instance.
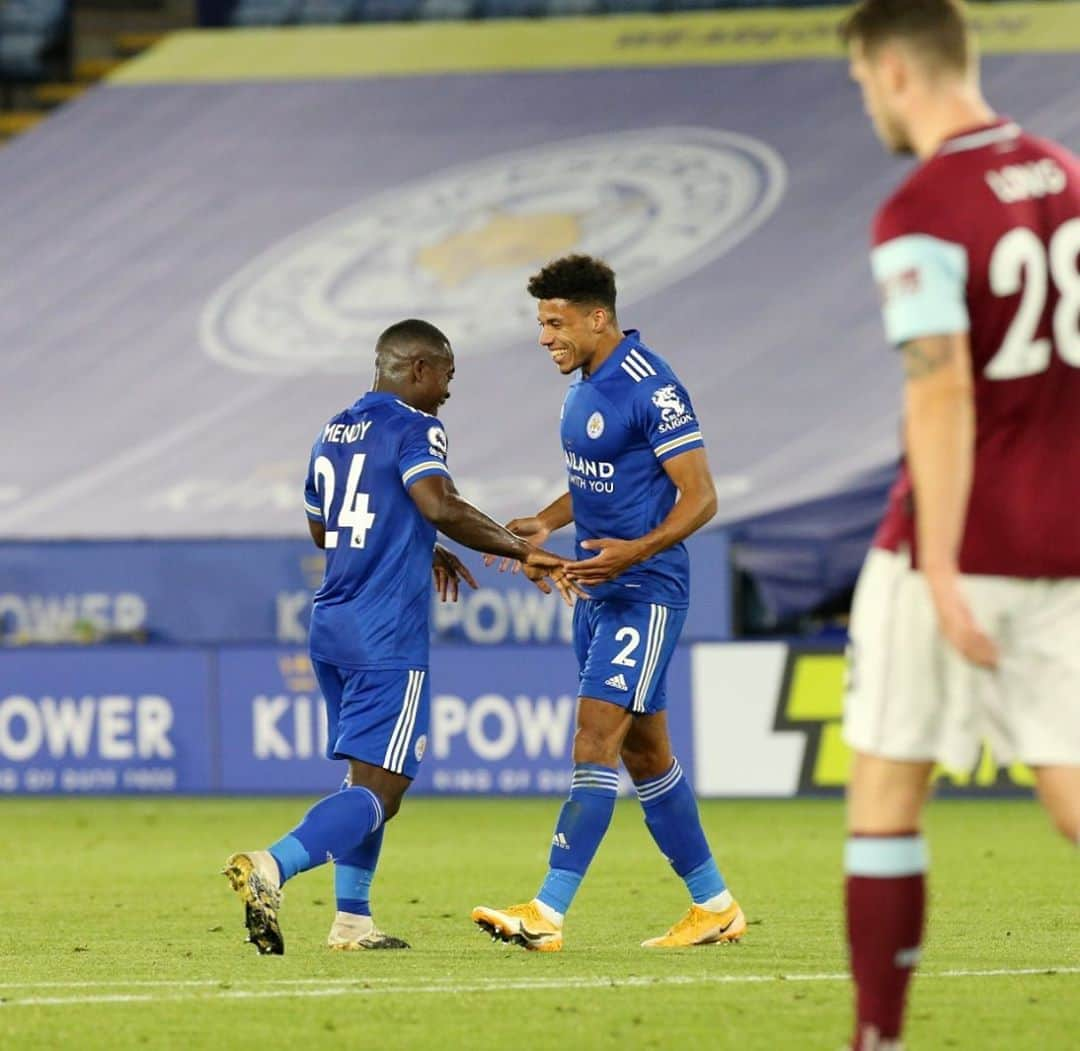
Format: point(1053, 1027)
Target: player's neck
point(959, 110)
point(387, 387)
point(605, 348)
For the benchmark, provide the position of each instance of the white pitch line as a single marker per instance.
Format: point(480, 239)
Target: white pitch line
point(364, 986)
point(168, 983)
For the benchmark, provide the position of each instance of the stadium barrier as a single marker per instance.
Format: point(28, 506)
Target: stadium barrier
point(747, 719)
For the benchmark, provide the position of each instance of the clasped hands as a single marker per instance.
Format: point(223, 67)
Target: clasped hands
point(539, 566)
point(614, 557)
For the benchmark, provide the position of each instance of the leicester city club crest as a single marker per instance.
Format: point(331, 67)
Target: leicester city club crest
point(457, 247)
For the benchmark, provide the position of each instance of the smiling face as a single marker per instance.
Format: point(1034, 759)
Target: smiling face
point(571, 332)
point(433, 374)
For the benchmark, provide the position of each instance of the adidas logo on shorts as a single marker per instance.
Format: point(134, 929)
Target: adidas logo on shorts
point(617, 682)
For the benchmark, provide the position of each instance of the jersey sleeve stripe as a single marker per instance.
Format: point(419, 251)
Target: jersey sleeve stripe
point(923, 287)
point(631, 371)
point(677, 443)
point(423, 468)
point(315, 512)
point(642, 362)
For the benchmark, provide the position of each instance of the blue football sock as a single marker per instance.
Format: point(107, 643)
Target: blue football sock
point(583, 820)
point(353, 873)
point(671, 815)
point(331, 828)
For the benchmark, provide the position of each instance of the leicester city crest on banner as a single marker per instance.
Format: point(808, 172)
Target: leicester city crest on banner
point(457, 247)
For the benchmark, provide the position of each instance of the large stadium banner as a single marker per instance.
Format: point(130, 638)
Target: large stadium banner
point(423, 179)
point(106, 721)
point(747, 720)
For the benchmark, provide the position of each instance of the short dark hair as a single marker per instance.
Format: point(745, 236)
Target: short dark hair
point(938, 29)
point(577, 279)
point(412, 334)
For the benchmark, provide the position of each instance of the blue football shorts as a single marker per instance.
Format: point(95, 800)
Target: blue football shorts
point(623, 650)
point(380, 717)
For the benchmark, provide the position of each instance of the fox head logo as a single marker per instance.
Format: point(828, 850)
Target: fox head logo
point(667, 400)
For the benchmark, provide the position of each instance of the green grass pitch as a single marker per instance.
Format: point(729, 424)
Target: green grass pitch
point(117, 931)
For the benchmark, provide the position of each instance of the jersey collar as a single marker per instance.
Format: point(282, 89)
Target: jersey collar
point(376, 395)
point(1000, 130)
point(631, 338)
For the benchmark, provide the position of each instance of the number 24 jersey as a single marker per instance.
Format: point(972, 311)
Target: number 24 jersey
point(372, 608)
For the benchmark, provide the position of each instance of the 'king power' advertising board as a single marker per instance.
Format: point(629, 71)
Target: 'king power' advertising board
point(747, 719)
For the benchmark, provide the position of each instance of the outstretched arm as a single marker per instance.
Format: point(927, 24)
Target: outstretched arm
point(444, 507)
point(557, 514)
point(694, 507)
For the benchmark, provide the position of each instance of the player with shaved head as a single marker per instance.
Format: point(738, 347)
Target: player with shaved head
point(378, 489)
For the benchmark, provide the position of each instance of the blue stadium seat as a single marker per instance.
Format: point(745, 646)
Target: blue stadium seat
point(327, 12)
point(388, 10)
point(28, 16)
point(511, 8)
point(22, 56)
point(565, 8)
point(449, 10)
point(264, 12)
point(633, 7)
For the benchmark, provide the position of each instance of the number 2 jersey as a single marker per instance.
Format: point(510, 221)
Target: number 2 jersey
point(372, 608)
point(984, 238)
point(619, 426)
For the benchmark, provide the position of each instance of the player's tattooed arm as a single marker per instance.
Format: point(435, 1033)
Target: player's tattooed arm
point(939, 426)
point(928, 355)
point(939, 439)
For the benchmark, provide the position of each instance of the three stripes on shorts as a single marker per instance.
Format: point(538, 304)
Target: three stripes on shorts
point(398, 749)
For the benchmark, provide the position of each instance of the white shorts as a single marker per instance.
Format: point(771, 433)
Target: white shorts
point(911, 696)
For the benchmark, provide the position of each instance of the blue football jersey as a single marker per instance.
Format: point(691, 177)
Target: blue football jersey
point(372, 608)
point(619, 425)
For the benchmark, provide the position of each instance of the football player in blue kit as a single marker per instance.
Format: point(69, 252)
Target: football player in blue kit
point(639, 484)
point(378, 489)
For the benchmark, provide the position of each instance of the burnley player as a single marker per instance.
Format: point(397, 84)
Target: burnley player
point(639, 484)
point(966, 618)
point(378, 488)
